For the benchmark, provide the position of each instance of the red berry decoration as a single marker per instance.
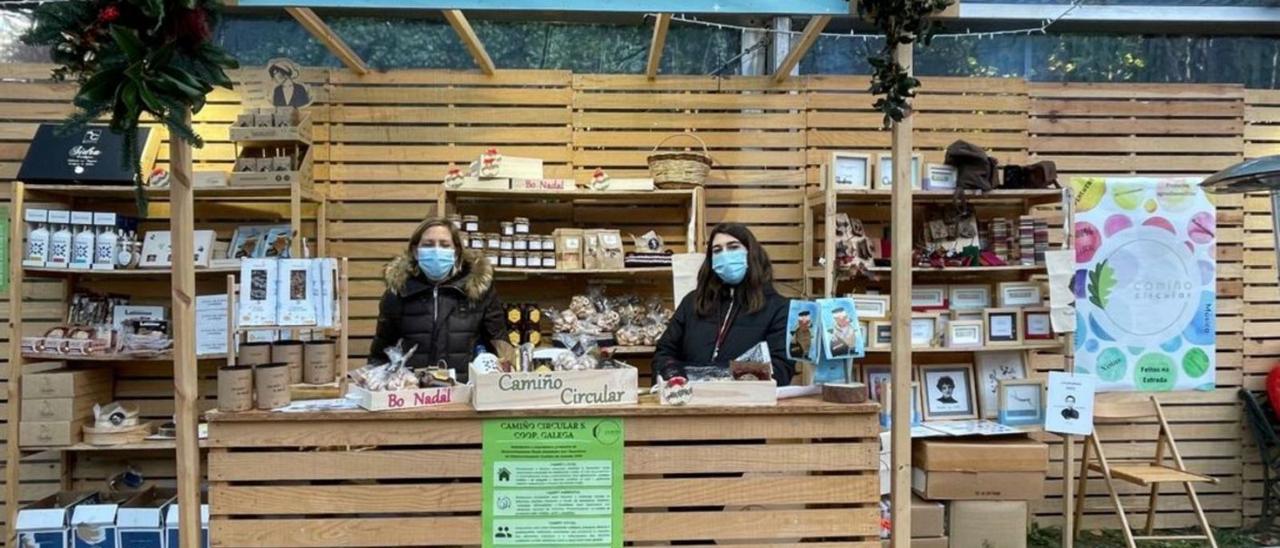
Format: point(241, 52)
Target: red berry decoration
point(109, 14)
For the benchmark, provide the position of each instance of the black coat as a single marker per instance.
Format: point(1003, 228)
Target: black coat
point(690, 339)
point(446, 321)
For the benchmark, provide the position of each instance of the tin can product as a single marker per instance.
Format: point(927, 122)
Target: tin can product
point(235, 388)
point(254, 353)
point(318, 362)
point(289, 353)
point(271, 384)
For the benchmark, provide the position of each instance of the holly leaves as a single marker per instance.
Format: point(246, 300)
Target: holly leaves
point(1102, 280)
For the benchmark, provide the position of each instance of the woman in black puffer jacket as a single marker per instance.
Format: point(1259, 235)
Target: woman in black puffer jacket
point(440, 298)
point(733, 309)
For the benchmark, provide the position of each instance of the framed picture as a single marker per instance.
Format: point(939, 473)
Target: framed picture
point(1036, 325)
point(1021, 402)
point(1004, 326)
point(874, 376)
point(886, 404)
point(970, 315)
point(924, 329)
point(969, 297)
point(1013, 294)
point(947, 391)
point(849, 170)
point(881, 335)
point(929, 297)
point(940, 177)
point(884, 170)
point(994, 367)
point(965, 333)
point(871, 307)
point(864, 330)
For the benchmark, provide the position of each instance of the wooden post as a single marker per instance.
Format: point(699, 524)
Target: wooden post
point(900, 292)
point(13, 452)
point(185, 374)
point(1069, 357)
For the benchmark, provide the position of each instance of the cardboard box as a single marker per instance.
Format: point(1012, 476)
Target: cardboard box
point(171, 525)
point(928, 518)
point(93, 525)
point(988, 524)
point(66, 383)
point(52, 433)
point(61, 409)
point(44, 523)
point(977, 485)
point(999, 454)
point(140, 521)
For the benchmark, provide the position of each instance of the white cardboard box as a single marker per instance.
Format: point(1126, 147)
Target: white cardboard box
point(409, 399)
point(94, 525)
point(140, 521)
point(44, 523)
point(171, 525)
point(557, 389)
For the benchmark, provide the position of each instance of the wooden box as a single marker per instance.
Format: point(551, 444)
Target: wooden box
point(52, 433)
point(61, 409)
point(66, 383)
point(557, 389)
point(274, 178)
point(409, 399)
point(729, 393)
point(510, 167)
point(300, 133)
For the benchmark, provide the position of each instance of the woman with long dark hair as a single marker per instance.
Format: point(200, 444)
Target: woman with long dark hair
point(733, 308)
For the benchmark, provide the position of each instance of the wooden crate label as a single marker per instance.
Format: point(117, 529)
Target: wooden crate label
point(555, 389)
point(409, 399)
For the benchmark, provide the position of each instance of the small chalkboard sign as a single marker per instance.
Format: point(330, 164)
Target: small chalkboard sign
point(92, 155)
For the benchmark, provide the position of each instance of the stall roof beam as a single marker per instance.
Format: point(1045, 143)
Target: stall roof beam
point(1144, 13)
point(469, 39)
point(807, 39)
point(655, 47)
point(317, 27)
point(718, 7)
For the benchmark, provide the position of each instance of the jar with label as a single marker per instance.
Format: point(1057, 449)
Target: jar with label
point(506, 259)
point(456, 220)
point(492, 256)
point(522, 225)
point(520, 243)
point(548, 243)
point(548, 259)
point(508, 228)
point(477, 241)
point(535, 243)
point(493, 241)
point(471, 223)
point(521, 260)
point(507, 243)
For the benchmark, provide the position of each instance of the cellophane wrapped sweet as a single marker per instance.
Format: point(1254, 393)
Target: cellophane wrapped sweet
point(390, 376)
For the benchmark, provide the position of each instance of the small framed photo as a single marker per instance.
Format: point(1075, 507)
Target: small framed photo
point(881, 335)
point(1021, 402)
point(875, 376)
point(1036, 325)
point(940, 177)
point(884, 170)
point(969, 297)
point(864, 330)
point(871, 307)
point(849, 170)
point(966, 315)
point(964, 333)
point(947, 391)
point(1014, 294)
point(929, 297)
point(924, 329)
point(886, 404)
point(1004, 326)
point(993, 367)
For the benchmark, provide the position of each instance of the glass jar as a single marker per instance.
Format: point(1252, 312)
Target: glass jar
point(548, 243)
point(522, 225)
point(506, 243)
point(471, 223)
point(521, 260)
point(493, 241)
point(456, 220)
point(535, 243)
point(506, 259)
point(492, 256)
point(508, 228)
point(548, 259)
point(476, 240)
point(521, 243)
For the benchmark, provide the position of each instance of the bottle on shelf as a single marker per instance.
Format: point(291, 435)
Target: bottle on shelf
point(60, 240)
point(38, 239)
point(82, 246)
point(104, 247)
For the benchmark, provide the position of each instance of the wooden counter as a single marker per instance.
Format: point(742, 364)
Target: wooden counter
point(766, 475)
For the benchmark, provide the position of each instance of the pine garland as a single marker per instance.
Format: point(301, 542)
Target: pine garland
point(132, 57)
point(903, 22)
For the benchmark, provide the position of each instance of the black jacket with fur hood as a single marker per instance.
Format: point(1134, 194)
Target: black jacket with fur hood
point(445, 320)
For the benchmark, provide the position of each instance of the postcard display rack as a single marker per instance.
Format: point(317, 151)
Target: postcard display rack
point(81, 366)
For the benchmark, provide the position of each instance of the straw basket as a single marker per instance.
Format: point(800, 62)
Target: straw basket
point(679, 169)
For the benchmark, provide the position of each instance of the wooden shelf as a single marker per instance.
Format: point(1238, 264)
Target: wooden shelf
point(634, 271)
point(646, 196)
point(144, 445)
point(1021, 197)
point(124, 273)
point(817, 272)
point(114, 357)
point(1045, 345)
point(160, 194)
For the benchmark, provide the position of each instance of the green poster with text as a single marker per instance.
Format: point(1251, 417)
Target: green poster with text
point(552, 482)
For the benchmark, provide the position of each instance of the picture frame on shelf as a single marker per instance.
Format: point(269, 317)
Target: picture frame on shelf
point(1021, 402)
point(885, 400)
point(871, 307)
point(1016, 294)
point(873, 375)
point(1036, 324)
point(968, 297)
point(993, 367)
point(966, 315)
point(929, 297)
point(965, 333)
point(881, 335)
point(947, 391)
point(884, 170)
point(924, 329)
point(1003, 326)
point(940, 177)
point(864, 331)
point(849, 171)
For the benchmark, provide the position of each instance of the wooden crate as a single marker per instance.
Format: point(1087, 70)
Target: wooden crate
point(409, 399)
point(557, 389)
point(760, 476)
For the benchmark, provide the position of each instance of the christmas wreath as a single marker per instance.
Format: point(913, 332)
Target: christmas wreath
point(135, 56)
point(903, 22)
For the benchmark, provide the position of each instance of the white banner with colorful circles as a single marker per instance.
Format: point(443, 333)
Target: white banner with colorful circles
point(1145, 283)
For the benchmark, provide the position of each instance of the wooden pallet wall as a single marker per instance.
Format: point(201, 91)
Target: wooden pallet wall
point(1122, 129)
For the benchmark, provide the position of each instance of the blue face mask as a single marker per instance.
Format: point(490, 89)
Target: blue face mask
point(730, 265)
point(436, 262)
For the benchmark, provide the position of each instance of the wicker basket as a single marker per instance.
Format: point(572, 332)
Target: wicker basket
point(679, 169)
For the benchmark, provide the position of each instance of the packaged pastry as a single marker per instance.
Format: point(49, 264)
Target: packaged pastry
point(568, 248)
